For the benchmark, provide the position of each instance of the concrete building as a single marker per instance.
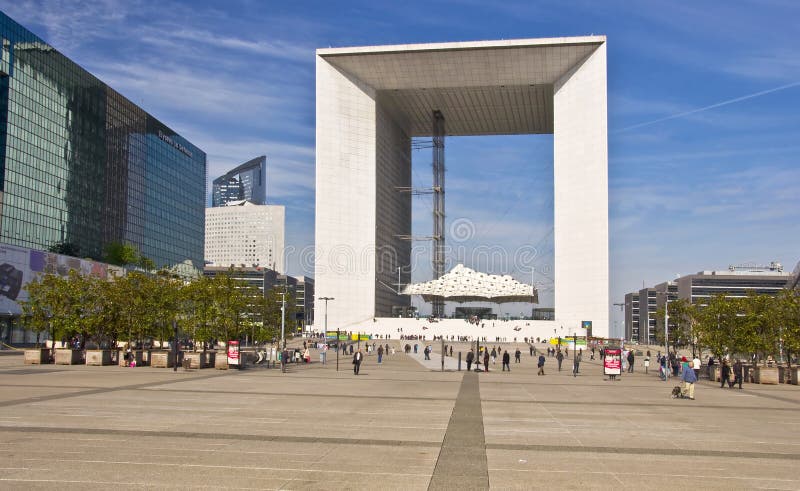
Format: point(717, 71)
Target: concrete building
point(647, 315)
point(245, 234)
point(372, 100)
point(736, 281)
point(632, 317)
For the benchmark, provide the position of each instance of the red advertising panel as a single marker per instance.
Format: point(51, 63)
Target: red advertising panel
point(233, 352)
point(612, 362)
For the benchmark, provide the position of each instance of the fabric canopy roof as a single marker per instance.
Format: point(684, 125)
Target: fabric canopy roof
point(463, 284)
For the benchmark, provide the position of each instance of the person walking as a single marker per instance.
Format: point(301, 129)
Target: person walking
point(357, 357)
point(630, 361)
point(506, 361)
point(738, 373)
point(576, 364)
point(725, 376)
point(696, 366)
point(517, 355)
point(541, 364)
point(451, 350)
point(380, 354)
point(494, 355)
point(470, 358)
point(560, 358)
point(689, 378)
point(485, 360)
point(530, 347)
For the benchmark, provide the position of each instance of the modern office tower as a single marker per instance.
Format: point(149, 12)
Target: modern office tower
point(81, 166)
point(632, 317)
point(245, 234)
point(736, 281)
point(246, 182)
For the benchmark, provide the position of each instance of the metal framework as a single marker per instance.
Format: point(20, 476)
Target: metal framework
point(438, 206)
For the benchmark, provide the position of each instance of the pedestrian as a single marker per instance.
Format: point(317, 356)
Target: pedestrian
point(357, 357)
point(630, 361)
point(592, 355)
point(726, 375)
point(530, 347)
point(380, 354)
point(541, 364)
point(451, 350)
point(738, 373)
point(689, 378)
point(485, 360)
point(494, 355)
point(576, 364)
point(560, 358)
point(506, 361)
point(696, 366)
point(470, 358)
point(517, 355)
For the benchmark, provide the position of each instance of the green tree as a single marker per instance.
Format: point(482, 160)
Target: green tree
point(787, 305)
point(718, 325)
point(65, 248)
point(759, 328)
point(682, 320)
point(121, 254)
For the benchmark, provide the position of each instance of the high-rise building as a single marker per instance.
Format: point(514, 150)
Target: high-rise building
point(245, 234)
point(81, 166)
point(736, 281)
point(632, 317)
point(246, 182)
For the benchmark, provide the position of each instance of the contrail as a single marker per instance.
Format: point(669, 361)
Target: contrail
point(712, 106)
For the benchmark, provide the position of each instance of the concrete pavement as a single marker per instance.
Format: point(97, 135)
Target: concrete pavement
point(398, 425)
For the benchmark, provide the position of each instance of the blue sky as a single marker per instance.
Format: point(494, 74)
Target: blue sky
point(690, 188)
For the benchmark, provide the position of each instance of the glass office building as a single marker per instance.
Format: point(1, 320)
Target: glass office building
point(245, 182)
point(83, 166)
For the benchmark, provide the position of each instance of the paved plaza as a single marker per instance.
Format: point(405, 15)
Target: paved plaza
point(399, 425)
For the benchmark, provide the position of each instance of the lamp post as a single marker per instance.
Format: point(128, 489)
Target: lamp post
point(338, 347)
point(325, 334)
point(666, 329)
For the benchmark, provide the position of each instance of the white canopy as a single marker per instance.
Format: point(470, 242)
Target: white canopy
point(463, 284)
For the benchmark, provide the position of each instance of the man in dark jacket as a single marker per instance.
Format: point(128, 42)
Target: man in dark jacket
point(560, 359)
point(630, 361)
point(485, 360)
point(357, 362)
point(541, 364)
point(506, 361)
point(738, 373)
point(470, 358)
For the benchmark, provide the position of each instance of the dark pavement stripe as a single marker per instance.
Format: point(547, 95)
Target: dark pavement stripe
point(462, 459)
point(104, 390)
point(220, 436)
point(641, 451)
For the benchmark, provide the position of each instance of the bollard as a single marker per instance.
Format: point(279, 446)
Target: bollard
point(459, 361)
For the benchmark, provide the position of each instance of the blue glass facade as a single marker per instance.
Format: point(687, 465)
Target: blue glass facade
point(245, 182)
point(82, 165)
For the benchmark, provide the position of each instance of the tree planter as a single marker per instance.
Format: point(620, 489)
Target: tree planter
point(221, 362)
point(67, 356)
point(765, 375)
point(142, 358)
point(715, 373)
point(98, 357)
point(794, 375)
point(196, 359)
point(37, 356)
point(162, 359)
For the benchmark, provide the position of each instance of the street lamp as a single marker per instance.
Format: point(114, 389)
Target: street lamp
point(325, 334)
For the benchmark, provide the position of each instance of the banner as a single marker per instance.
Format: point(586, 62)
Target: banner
point(612, 362)
point(233, 352)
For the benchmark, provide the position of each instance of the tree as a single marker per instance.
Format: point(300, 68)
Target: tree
point(121, 254)
point(718, 326)
point(65, 248)
point(760, 322)
point(787, 304)
point(682, 320)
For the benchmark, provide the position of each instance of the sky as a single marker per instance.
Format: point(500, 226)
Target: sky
point(704, 132)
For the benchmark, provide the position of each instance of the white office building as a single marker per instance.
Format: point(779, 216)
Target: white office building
point(371, 101)
point(245, 234)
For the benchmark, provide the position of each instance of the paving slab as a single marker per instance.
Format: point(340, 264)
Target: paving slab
point(403, 424)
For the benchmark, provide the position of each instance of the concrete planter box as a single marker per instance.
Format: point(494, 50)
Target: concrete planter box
point(794, 375)
point(37, 356)
point(221, 362)
point(715, 373)
point(68, 356)
point(98, 357)
point(162, 359)
point(142, 358)
point(196, 359)
point(765, 375)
